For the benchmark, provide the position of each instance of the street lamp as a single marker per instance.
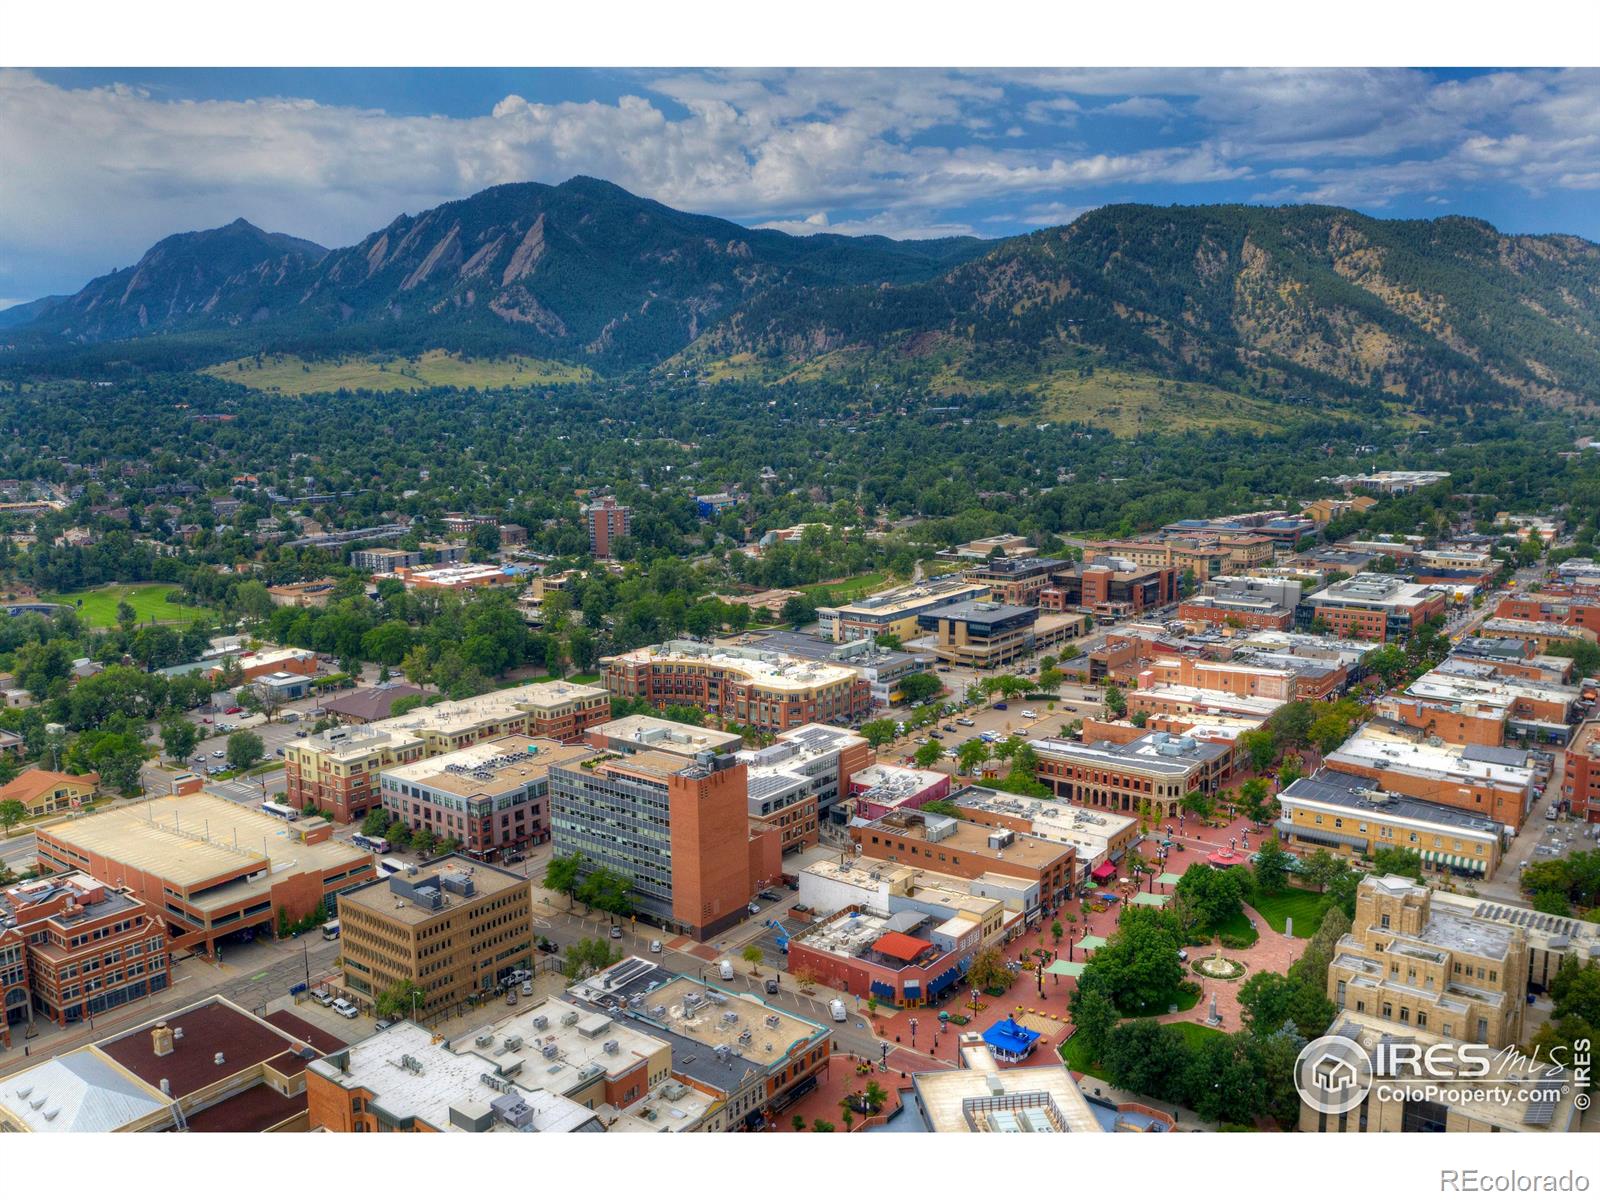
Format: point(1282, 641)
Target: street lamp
point(913, 1031)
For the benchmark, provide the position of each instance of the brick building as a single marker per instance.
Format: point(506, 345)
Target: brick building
point(695, 854)
point(89, 947)
point(1156, 769)
point(492, 798)
point(340, 770)
point(606, 521)
point(211, 1067)
point(1378, 608)
point(211, 867)
point(970, 851)
point(1492, 781)
point(771, 692)
point(453, 926)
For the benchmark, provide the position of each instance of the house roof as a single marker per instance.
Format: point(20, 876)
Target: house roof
point(371, 704)
point(35, 782)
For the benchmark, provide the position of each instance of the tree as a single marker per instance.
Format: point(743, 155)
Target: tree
point(879, 732)
point(874, 1096)
point(752, 955)
point(126, 617)
point(920, 687)
point(12, 813)
point(1138, 966)
point(375, 822)
point(797, 610)
point(1146, 1057)
point(388, 643)
point(179, 736)
point(1395, 860)
point(1095, 1016)
point(244, 749)
point(1214, 897)
point(582, 649)
point(608, 890)
point(1222, 1080)
point(988, 971)
point(1266, 998)
point(587, 956)
point(1272, 867)
point(818, 1125)
point(972, 755)
point(1115, 701)
point(399, 999)
point(1260, 746)
point(928, 753)
point(1254, 800)
point(847, 1111)
point(564, 874)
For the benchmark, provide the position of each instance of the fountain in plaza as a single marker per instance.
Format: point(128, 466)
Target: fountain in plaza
point(1218, 967)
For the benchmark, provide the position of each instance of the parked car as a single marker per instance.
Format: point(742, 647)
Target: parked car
point(345, 1009)
point(323, 997)
point(383, 1024)
point(511, 997)
point(616, 931)
point(769, 894)
point(948, 728)
point(228, 712)
point(725, 968)
point(655, 946)
point(837, 1010)
point(219, 754)
point(1001, 705)
point(772, 987)
point(527, 987)
point(965, 722)
point(1030, 715)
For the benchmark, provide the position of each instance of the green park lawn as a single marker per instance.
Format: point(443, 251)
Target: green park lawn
point(1075, 1053)
point(1305, 907)
point(149, 601)
point(852, 588)
point(1196, 1036)
point(1185, 996)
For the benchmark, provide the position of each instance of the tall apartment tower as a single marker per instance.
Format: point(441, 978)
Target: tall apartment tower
point(708, 815)
point(607, 521)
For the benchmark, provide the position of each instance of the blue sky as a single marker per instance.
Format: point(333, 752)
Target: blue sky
point(102, 163)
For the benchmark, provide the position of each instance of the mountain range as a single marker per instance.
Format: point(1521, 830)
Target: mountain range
point(1309, 300)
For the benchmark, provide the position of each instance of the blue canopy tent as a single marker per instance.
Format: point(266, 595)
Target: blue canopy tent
point(1009, 1041)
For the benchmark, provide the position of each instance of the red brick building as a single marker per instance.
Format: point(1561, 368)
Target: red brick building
point(607, 521)
point(89, 947)
point(1580, 783)
point(1560, 608)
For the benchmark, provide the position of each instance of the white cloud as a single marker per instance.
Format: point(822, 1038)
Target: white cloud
point(1145, 108)
point(93, 176)
point(899, 225)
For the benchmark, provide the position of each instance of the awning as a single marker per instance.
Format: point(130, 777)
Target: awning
point(1091, 941)
point(900, 945)
point(1104, 871)
point(1062, 967)
point(1153, 899)
point(912, 987)
point(1169, 878)
point(1010, 1040)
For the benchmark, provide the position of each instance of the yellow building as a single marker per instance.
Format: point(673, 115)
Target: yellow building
point(44, 792)
point(1444, 973)
point(453, 926)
